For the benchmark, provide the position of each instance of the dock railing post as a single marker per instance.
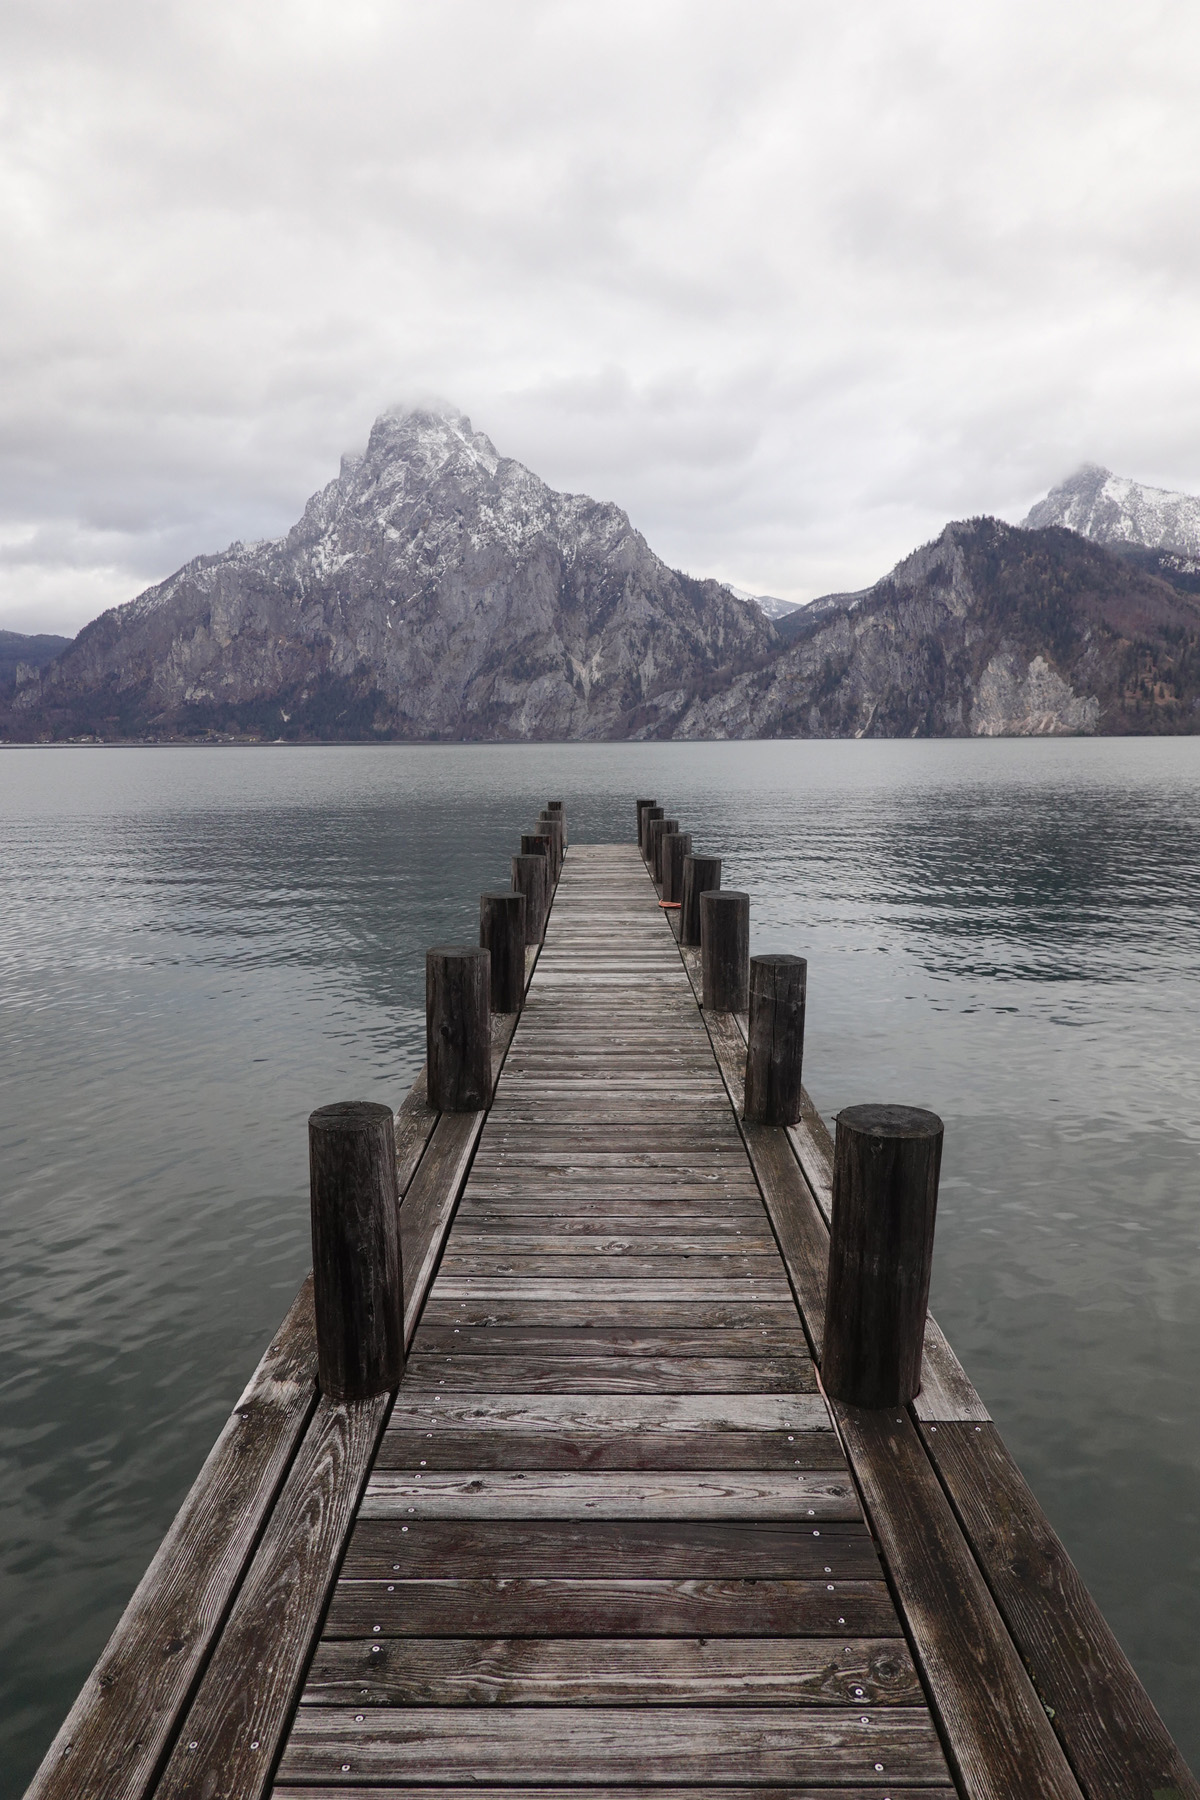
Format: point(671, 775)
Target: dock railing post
point(649, 814)
point(502, 935)
point(725, 950)
point(537, 843)
point(556, 806)
point(641, 822)
point(700, 875)
point(675, 846)
point(529, 878)
point(552, 825)
point(885, 1183)
point(358, 1290)
point(660, 830)
point(457, 1030)
point(775, 1048)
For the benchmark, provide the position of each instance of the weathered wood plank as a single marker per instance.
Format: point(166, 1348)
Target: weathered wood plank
point(116, 1732)
point(480, 1791)
point(428, 1206)
point(996, 1727)
point(733, 1265)
point(613, 1671)
point(688, 1549)
point(613, 1744)
point(611, 1450)
point(602, 1287)
point(643, 1340)
point(240, 1713)
point(536, 1606)
point(799, 1495)
point(618, 1412)
point(481, 1310)
point(577, 1373)
point(1116, 1742)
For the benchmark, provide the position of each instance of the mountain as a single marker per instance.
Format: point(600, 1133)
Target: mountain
point(991, 630)
point(434, 590)
point(1112, 510)
point(21, 656)
point(774, 608)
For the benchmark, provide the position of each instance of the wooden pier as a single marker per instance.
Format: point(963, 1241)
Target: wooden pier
point(609, 1533)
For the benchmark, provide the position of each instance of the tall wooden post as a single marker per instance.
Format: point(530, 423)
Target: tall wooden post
point(675, 846)
point(358, 1292)
point(660, 829)
point(701, 874)
point(641, 822)
point(775, 1054)
point(457, 1029)
point(529, 878)
point(885, 1184)
point(537, 843)
point(725, 950)
point(649, 814)
point(502, 935)
point(556, 806)
point(552, 825)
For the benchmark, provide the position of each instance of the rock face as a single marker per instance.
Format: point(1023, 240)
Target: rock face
point(1112, 510)
point(989, 631)
point(21, 656)
point(435, 590)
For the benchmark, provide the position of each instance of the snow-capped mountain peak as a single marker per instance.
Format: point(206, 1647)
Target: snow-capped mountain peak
point(1112, 509)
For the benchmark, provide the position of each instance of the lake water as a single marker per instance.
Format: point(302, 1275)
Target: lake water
point(198, 946)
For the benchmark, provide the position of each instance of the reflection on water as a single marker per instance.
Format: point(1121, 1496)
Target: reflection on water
point(198, 946)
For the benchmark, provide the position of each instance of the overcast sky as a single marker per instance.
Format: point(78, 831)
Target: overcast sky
point(793, 283)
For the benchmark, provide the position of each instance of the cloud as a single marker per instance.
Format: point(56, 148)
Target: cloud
point(793, 284)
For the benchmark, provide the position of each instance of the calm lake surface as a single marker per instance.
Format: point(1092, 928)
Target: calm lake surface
point(199, 946)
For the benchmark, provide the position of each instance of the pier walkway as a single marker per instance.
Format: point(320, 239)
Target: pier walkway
point(610, 1535)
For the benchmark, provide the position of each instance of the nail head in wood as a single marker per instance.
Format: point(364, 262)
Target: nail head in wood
point(885, 1183)
point(358, 1291)
point(457, 1028)
point(725, 950)
point(775, 1052)
point(502, 935)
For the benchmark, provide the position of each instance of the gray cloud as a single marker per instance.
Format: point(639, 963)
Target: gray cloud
point(793, 284)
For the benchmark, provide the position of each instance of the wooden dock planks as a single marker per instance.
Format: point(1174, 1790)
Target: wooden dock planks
point(610, 1535)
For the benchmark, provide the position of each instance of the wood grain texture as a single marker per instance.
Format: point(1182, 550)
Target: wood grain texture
point(674, 1450)
point(798, 1495)
point(613, 1744)
point(564, 1372)
point(995, 1726)
point(614, 1671)
point(245, 1699)
point(1116, 1742)
point(613, 1412)
point(381, 1550)
point(127, 1710)
point(348, 1789)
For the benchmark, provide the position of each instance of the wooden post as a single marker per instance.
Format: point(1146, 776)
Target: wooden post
point(775, 1054)
point(457, 1035)
point(660, 829)
point(529, 878)
point(537, 843)
point(885, 1183)
point(358, 1292)
point(701, 874)
point(556, 806)
point(675, 846)
point(649, 814)
point(725, 950)
point(552, 825)
point(641, 821)
point(502, 935)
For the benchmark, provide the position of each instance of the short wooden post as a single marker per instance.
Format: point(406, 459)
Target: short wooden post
point(556, 806)
point(660, 829)
point(457, 1034)
point(529, 878)
point(537, 843)
point(775, 1054)
point(502, 935)
point(700, 875)
point(649, 814)
point(358, 1292)
point(885, 1184)
point(725, 950)
point(641, 821)
point(675, 846)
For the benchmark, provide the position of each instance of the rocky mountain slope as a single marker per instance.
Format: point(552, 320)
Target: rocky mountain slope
point(435, 590)
point(1112, 510)
point(22, 654)
point(991, 630)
